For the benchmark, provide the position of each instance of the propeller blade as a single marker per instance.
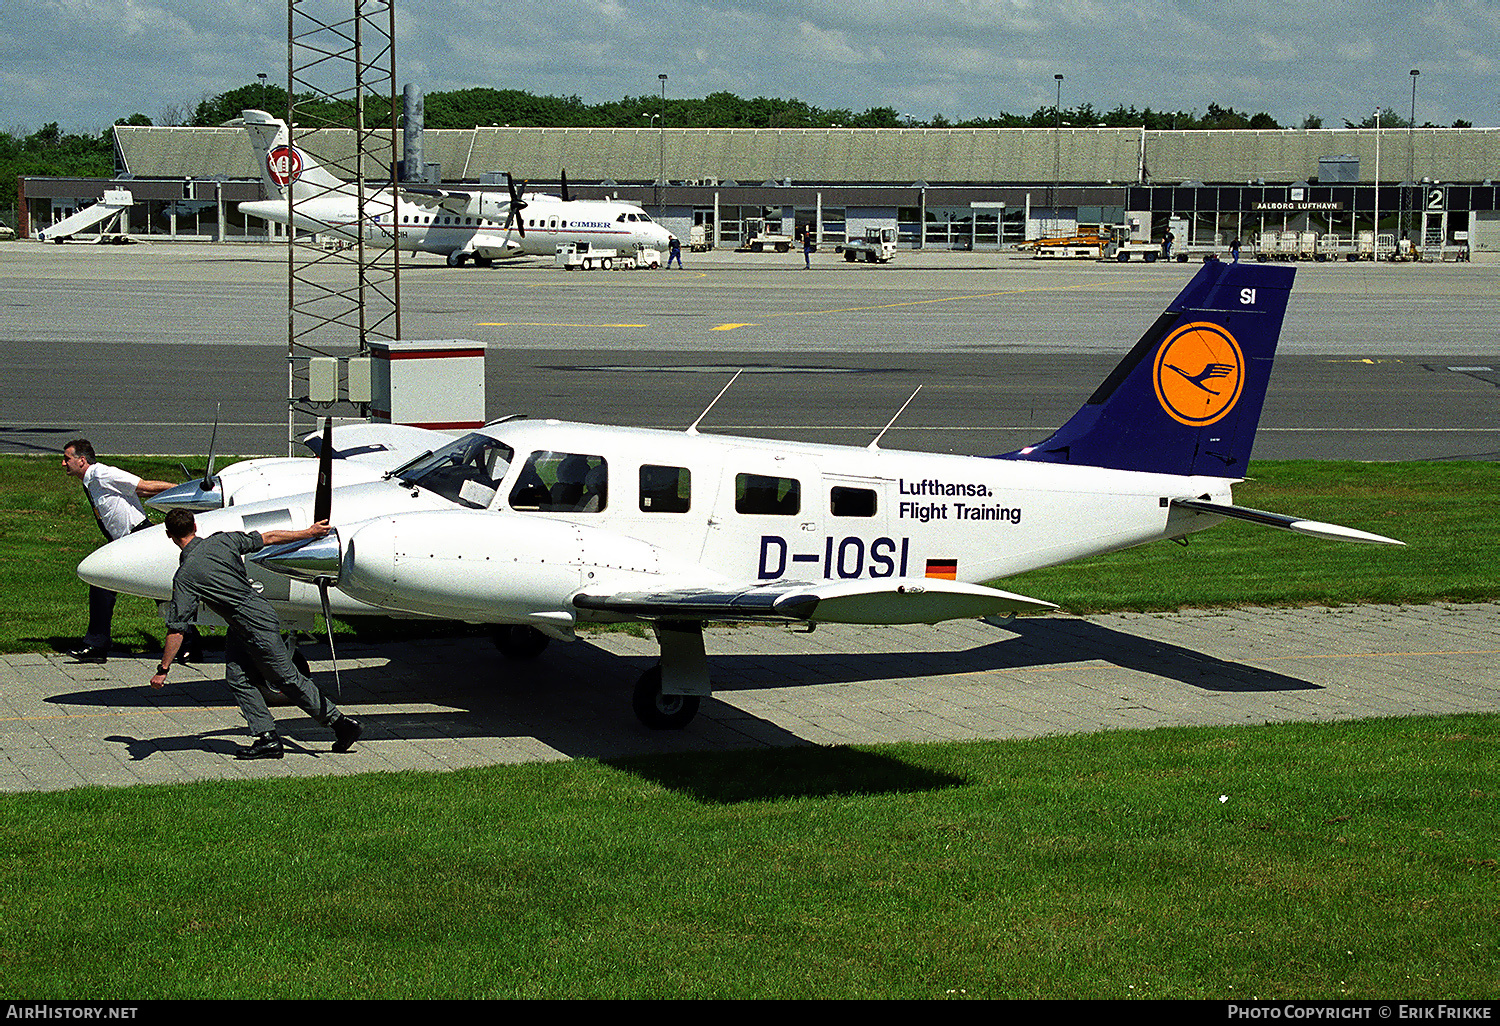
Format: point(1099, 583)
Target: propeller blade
point(213, 441)
point(517, 204)
point(328, 626)
point(323, 494)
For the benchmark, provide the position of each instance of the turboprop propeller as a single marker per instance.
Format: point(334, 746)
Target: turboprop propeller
point(517, 204)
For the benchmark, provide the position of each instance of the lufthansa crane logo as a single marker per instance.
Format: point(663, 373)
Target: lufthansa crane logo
point(1199, 374)
point(285, 165)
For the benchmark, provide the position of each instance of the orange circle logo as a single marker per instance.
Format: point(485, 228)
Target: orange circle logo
point(1199, 374)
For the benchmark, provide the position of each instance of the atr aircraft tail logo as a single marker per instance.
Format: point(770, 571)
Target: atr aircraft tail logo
point(1199, 374)
point(285, 165)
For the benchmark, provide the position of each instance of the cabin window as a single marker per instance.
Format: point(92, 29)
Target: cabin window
point(561, 482)
point(851, 502)
point(757, 493)
point(665, 489)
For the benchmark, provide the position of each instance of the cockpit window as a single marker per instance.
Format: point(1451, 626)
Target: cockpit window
point(468, 471)
point(561, 482)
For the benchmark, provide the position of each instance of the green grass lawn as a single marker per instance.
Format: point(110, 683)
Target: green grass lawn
point(1333, 860)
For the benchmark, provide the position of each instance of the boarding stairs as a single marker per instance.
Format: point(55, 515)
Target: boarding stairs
point(115, 202)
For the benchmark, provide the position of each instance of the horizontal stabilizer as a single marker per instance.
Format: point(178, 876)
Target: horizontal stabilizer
point(888, 601)
point(1315, 528)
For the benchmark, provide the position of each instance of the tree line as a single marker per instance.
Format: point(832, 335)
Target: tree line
point(51, 152)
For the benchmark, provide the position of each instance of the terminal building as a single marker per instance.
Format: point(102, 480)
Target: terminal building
point(951, 188)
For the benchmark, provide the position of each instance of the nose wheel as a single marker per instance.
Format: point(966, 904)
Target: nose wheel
point(659, 711)
point(518, 641)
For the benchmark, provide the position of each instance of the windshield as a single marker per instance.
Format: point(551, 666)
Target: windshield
point(467, 472)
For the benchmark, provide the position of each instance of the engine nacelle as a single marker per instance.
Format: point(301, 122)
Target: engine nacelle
point(484, 566)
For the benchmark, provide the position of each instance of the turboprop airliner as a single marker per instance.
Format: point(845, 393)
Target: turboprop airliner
point(461, 225)
point(537, 526)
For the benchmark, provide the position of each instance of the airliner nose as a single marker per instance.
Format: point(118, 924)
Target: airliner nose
point(138, 564)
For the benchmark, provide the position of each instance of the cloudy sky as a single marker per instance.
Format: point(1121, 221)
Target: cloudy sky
point(84, 63)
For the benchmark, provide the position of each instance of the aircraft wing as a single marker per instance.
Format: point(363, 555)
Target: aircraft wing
point(1280, 521)
point(887, 601)
point(452, 199)
point(385, 445)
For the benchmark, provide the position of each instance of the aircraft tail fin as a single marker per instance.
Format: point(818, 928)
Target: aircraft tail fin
point(284, 165)
point(1187, 399)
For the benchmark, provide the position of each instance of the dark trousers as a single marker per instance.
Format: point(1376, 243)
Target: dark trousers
point(266, 657)
point(101, 617)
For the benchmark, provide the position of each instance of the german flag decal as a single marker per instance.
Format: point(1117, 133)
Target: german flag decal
point(947, 569)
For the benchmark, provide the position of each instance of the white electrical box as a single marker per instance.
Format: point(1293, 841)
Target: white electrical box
point(428, 383)
point(323, 379)
point(359, 379)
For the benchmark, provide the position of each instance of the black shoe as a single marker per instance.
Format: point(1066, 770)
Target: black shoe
point(266, 746)
point(91, 653)
point(347, 729)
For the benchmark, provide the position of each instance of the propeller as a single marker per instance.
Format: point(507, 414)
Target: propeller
point(315, 560)
point(517, 204)
point(323, 493)
point(196, 494)
point(322, 510)
point(213, 442)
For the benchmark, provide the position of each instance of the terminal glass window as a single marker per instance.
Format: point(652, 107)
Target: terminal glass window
point(665, 489)
point(561, 482)
point(834, 225)
point(909, 224)
point(776, 496)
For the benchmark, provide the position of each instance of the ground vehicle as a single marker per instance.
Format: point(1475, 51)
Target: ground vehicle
point(574, 255)
point(6, 231)
point(877, 247)
point(698, 240)
point(758, 239)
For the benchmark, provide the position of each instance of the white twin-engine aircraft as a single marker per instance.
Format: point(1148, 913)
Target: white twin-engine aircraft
point(458, 224)
point(538, 526)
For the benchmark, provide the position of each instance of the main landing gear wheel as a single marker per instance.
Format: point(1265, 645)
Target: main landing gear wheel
point(659, 711)
point(518, 641)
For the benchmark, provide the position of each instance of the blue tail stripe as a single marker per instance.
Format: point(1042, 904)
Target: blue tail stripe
point(1187, 397)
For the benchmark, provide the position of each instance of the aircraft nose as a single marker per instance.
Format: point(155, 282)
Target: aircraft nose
point(138, 564)
point(191, 496)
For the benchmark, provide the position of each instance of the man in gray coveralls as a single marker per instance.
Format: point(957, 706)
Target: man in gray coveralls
point(211, 570)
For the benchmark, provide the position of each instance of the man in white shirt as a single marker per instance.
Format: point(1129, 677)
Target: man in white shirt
point(115, 496)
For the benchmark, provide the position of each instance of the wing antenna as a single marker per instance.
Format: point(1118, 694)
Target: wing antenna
point(875, 442)
point(693, 428)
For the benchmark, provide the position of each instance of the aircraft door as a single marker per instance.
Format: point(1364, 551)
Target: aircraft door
point(767, 518)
